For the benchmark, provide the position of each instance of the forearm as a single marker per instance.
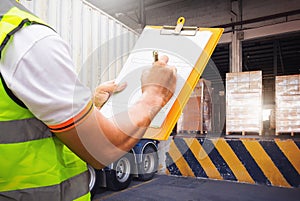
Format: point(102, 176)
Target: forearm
point(129, 127)
point(100, 141)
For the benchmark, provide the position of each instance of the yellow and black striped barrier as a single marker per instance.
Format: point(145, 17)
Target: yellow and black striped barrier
point(273, 162)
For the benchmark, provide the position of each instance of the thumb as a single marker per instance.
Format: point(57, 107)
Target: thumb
point(106, 87)
point(120, 87)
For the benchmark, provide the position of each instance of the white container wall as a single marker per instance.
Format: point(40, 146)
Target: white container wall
point(99, 44)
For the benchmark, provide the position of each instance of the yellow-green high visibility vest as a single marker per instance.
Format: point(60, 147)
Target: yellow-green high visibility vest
point(34, 164)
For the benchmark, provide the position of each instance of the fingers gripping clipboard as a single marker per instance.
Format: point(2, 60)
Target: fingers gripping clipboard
point(188, 49)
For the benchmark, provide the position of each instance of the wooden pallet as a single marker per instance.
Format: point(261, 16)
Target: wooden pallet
point(192, 132)
point(292, 133)
point(243, 132)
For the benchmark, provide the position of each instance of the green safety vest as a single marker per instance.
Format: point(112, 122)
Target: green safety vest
point(34, 164)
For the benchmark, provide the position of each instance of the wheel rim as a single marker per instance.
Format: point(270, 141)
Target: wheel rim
point(149, 163)
point(123, 169)
point(92, 177)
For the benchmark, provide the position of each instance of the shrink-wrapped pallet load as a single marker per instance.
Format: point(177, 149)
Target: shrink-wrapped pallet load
point(244, 102)
point(287, 98)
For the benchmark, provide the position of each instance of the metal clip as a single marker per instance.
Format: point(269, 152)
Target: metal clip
point(179, 26)
point(179, 29)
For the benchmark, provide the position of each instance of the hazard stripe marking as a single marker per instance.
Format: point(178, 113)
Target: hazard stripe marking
point(217, 160)
point(232, 160)
point(203, 158)
point(291, 151)
point(298, 144)
point(171, 166)
point(265, 163)
point(167, 171)
point(282, 163)
point(255, 172)
point(190, 158)
point(180, 162)
point(272, 162)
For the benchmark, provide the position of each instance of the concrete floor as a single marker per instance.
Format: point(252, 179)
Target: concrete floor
point(165, 188)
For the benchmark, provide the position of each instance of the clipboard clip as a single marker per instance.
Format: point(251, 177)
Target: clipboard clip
point(179, 29)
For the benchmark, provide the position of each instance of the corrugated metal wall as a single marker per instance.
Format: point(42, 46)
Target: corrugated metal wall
point(99, 44)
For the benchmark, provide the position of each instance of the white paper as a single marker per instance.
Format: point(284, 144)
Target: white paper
point(141, 58)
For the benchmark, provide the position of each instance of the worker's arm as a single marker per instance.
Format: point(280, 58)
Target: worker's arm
point(100, 141)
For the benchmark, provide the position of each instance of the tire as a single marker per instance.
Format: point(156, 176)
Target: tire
point(120, 176)
point(94, 183)
point(149, 164)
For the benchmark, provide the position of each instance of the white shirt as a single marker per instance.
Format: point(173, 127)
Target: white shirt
point(38, 69)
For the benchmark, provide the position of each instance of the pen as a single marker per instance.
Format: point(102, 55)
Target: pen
point(155, 55)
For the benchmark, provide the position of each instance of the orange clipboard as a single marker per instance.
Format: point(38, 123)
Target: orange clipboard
point(170, 37)
point(165, 130)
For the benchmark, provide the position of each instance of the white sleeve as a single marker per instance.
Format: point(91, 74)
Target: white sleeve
point(43, 76)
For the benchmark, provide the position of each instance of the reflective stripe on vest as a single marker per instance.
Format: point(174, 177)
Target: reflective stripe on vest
point(42, 161)
point(34, 164)
point(67, 190)
point(32, 129)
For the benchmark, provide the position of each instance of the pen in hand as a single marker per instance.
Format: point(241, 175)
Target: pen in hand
point(155, 55)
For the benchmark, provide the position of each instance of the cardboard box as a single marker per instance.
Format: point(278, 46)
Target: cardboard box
point(196, 115)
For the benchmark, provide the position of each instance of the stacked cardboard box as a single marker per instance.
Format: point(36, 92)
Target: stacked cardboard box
point(287, 97)
point(244, 102)
point(196, 115)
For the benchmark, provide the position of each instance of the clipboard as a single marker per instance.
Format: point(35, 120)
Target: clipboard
point(190, 48)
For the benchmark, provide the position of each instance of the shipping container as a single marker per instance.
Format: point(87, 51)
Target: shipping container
point(99, 44)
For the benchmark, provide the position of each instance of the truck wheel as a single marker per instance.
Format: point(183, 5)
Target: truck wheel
point(120, 176)
point(149, 164)
point(94, 180)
